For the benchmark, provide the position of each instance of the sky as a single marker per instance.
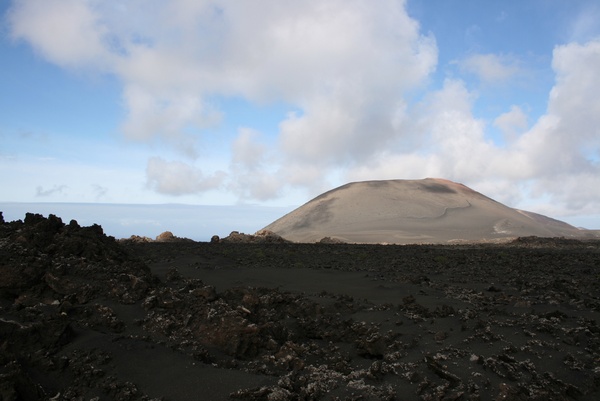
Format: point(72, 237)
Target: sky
point(269, 103)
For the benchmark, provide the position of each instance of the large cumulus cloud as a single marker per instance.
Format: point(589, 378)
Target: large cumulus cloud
point(555, 163)
point(344, 65)
point(358, 80)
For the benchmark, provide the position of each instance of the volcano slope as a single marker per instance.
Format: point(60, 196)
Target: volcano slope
point(431, 210)
point(83, 316)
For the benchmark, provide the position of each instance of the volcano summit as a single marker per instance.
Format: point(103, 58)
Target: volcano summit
point(431, 210)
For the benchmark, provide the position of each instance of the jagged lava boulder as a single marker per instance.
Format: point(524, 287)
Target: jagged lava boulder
point(44, 256)
point(260, 237)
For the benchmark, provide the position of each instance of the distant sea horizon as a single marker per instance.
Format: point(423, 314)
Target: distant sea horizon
point(196, 222)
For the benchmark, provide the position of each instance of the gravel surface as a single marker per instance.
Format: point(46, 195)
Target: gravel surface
point(85, 317)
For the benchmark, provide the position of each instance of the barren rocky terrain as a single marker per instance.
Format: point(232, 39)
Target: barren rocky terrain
point(86, 317)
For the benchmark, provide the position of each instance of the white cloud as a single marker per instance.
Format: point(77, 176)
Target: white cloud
point(345, 65)
point(556, 162)
point(563, 146)
point(347, 68)
point(560, 140)
point(177, 178)
point(570, 193)
point(56, 189)
point(452, 142)
point(247, 150)
point(251, 176)
point(512, 123)
point(490, 68)
point(167, 117)
point(66, 32)
point(253, 185)
point(574, 96)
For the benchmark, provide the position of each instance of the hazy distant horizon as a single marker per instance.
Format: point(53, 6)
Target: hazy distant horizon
point(197, 222)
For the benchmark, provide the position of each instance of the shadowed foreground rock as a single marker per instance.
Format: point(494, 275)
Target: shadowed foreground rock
point(83, 317)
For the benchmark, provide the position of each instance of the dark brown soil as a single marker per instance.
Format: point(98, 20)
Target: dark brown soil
point(85, 317)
